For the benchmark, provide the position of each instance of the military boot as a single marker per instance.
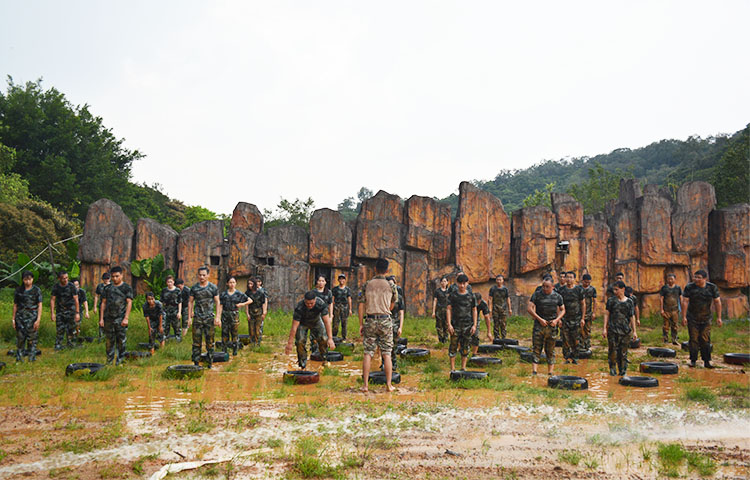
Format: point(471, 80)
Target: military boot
point(234, 348)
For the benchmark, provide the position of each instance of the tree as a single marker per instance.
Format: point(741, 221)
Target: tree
point(601, 187)
point(297, 212)
point(540, 197)
point(347, 207)
point(731, 176)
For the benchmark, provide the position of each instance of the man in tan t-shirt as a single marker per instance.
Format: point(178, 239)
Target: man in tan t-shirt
point(377, 299)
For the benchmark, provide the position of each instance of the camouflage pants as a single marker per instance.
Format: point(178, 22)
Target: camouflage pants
point(318, 335)
point(172, 323)
point(184, 318)
point(65, 324)
point(670, 325)
point(570, 333)
point(460, 340)
point(153, 334)
point(543, 338)
point(586, 332)
point(255, 326)
point(377, 333)
point(475, 337)
point(26, 336)
point(230, 328)
point(203, 329)
point(396, 324)
point(441, 317)
point(340, 316)
point(499, 321)
point(700, 340)
point(618, 344)
point(116, 338)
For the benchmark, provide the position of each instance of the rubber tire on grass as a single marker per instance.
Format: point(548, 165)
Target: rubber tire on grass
point(83, 368)
point(378, 378)
point(568, 382)
point(645, 382)
point(400, 348)
point(737, 358)
point(147, 346)
point(584, 354)
point(301, 377)
point(665, 368)
point(490, 348)
point(518, 348)
point(184, 371)
point(402, 341)
point(505, 341)
point(136, 355)
point(416, 354)
point(217, 357)
point(331, 356)
point(635, 343)
point(484, 361)
point(686, 346)
point(84, 339)
point(244, 339)
point(345, 345)
point(558, 342)
point(660, 352)
point(528, 357)
point(2, 365)
point(457, 375)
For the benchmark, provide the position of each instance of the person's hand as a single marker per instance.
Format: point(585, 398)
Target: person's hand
point(217, 322)
point(14, 323)
point(433, 314)
point(101, 323)
point(54, 318)
point(361, 329)
point(638, 321)
point(398, 334)
point(473, 329)
point(684, 321)
point(719, 322)
point(450, 329)
point(489, 338)
point(583, 323)
point(635, 336)
point(604, 333)
point(36, 325)
point(331, 344)
point(78, 318)
point(190, 322)
point(288, 348)
point(125, 322)
point(544, 323)
point(663, 313)
point(263, 318)
point(161, 329)
point(179, 315)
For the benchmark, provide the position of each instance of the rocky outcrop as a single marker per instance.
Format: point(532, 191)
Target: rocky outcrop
point(379, 225)
point(330, 239)
point(107, 241)
point(285, 245)
point(695, 201)
point(198, 245)
point(534, 239)
point(428, 228)
point(246, 225)
point(729, 246)
point(152, 238)
point(416, 282)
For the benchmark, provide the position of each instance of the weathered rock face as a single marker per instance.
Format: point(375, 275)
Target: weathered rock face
point(729, 246)
point(568, 210)
point(247, 223)
point(286, 284)
point(379, 225)
point(247, 217)
point(695, 200)
point(655, 241)
point(330, 239)
point(198, 245)
point(286, 244)
point(595, 251)
point(482, 234)
point(733, 303)
point(625, 230)
point(428, 228)
point(534, 239)
point(650, 304)
point(153, 238)
point(643, 278)
point(416, 280)
point(107, 240)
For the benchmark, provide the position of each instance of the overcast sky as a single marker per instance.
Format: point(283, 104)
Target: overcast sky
point(254, 101)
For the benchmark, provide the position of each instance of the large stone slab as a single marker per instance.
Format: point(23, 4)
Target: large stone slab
point(650, 305)
point(729, 246)
point(246, 225)
point(568, 210)
point(695, 201)
point(286, 284)
point(482, 234)
point(428, 227)
point(643, 278)
point(153, 238)
point(595, 252)
point(246, 216)
point(625, 227)
point(330, 239)
point(379, 225)
point(733, 303)
point(416, 280)
point(534, 238)
point(655, 242)
point(285, 244)
point(107, 235)
point(198, 245)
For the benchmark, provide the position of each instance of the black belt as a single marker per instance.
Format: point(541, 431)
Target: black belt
point(379, 317)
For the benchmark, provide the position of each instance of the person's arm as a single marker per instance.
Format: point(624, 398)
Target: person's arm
point(96, 303)
point(292, 334)
point(717, 307)
point(685, 301)
point(52, 308)
point(161, 322)
point(179, 305)
point(489, 301)
point(510, 308)
point(400, 322)
point(474, 320)
point(434, 306)
point(532, 310)
point(661, 305)
point(606, 322)
point(86, 309)
point(583, 311)
point(329, 330)
point(128, 307)
point(489, 328)
point(637, 315)
point(265, 307)
point(217, 318)
point(148, 321)
point(361, 314)
point(78, 312)
point(560, 314)
point(39, 308)
point(191, 304)
point(632, 326)
point(448, 316)
point(13, 318)
point(101, 312)
point(593, 307)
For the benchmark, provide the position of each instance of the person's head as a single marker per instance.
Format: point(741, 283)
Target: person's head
point(500, 280)
point(547, 276)
point(203, 274)
point(478, 296)
point(310, 299)
point(462, 281)
point(116, 274)
point(170, 282)
point(250, 284)
point(342, 280)
point(619, 277)
point(62, 277)
point(320, 282)
point(619, 288)
point(571, 277)
point(443, 283)
point(179, 283)
point(27, 278)
point(76, 283)
point(150, 299)
point(259, 281)
point(381, 266)
point(231, 283)
point(671, 278)
point(547, 285)
point(586, 279)
point(628, 291)
point(106, 277)
point(700, 278)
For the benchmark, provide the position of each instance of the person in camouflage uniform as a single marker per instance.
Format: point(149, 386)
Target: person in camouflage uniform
point(619, 277)
point(631, 295)
point(98, 293)
point(342, 306)
point(439, 308)
point(462, 321)
point(397, 319)
point(27, 316)
point(575, 309)
point(589, 298)
point(117, 301)
point(377, 299)
point(670, 296)
point(204, 298)
point(171, 298)
point(185, 303)
point(547, 308)
point(484, 310)
point(83, 304)
point(500, 306)
point(697, 299)
point(256, 311)
point(231, 301)
point(153, 312)
point(310, 316)
point(619, 328)
point(65, 298)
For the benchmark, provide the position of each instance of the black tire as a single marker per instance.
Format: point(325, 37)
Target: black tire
point(83, 368)
point(400, 348)
point(337, 340)
point(685, 346)
point(402, 341)
point(568, 382)
point(217, 357)
point(244, 339)
point(558, 342)
point(2, 365)
point(584, 354)
point(484, 361)
point(490, 348)
point(301, 377)
point(184, 371)
point(457, 375)
point(661, 352)
point(635, 343)
point(378, 378)
point(416, 354)
point(528, 357)
point(345, 345)
point(84, 339)
point(505, 341)
point(645, 382)
point(737, 358)
point(129, 355)
point(147, 346)
point(518, 348)
point(665, 368)
point(331, 356)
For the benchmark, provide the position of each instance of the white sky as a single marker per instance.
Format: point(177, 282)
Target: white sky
point(251, 101)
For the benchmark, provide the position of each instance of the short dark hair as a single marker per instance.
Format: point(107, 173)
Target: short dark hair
point(341, 275)
point(478, 296)
point(310, 295)
point(179, 281)
point(203, 268)
point(115, 269)
point(618, 284)
point(620, 274)
point(381, 265)
point(585, 276)
point(391, 277)
point(463, 278)
point(500, 276)
point(546, 276)
point(231, 277)
point(106, 276)
point(26, 274)
point(572, 273)
point(628, 291)
point(702, 273)
point(169, 277)
point(150, 295)
point(671, 275)
point(61, 273)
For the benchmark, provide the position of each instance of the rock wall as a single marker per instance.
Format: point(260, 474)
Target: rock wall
point(644, 233)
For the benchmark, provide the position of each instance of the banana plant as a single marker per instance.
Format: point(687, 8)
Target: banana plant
point(152, 272)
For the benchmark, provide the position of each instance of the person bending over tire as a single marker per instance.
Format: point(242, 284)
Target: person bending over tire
point(310, 315)
point(462, 321)
point(619, 328)
point(547, 308)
